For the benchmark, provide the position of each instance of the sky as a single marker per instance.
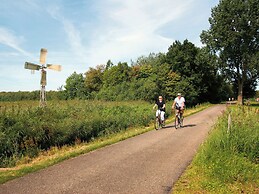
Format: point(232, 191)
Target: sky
point(79, 34)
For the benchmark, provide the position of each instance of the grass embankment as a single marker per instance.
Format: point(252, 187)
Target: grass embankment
point(108, 123)
point(228, 161)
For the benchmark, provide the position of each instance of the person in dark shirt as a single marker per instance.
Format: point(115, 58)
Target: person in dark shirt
point(160, 104)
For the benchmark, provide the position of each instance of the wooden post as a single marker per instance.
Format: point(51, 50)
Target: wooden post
point(229, 122)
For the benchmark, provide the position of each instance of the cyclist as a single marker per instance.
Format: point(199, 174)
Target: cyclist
point(160, 104)
point(178, 104)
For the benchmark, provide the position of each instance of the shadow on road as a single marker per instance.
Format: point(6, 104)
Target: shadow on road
point(172, 126)
point(168, 126)
point(191, 125)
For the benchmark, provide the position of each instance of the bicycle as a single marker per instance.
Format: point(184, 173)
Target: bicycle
point(158, 124)
point(178, 119)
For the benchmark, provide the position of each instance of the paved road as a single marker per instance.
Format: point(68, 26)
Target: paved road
point(148, 163)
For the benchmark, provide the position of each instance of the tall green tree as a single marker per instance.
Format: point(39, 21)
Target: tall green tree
point(75, 86)
point(171, 83)
point(182, 60)
point(109, 64)
point(212, 81)
point(154, 71)
point(234, 36)
point(94, 78)
point(116, 74)
point(182, 56)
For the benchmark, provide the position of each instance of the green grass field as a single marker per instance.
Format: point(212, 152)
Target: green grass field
point(228, 162)
point(133, 118)
point(26, 130)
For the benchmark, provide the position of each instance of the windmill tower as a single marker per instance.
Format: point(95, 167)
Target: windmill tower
point(42, 67)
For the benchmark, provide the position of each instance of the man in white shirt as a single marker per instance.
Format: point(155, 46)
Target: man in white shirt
point(178, 104)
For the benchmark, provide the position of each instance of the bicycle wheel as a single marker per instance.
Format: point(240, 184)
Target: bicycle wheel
point(181, 124)
point(176, 122)
point(160, 124)
point(156, 124)
point(179, 121)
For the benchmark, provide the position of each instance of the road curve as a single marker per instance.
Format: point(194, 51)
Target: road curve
point(148, 163)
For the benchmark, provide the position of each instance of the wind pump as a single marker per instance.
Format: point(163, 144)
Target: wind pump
point(42, 67)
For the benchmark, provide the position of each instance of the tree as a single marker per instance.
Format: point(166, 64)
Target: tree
point(116, 74)
point(163, 77)
point(188, 90)
point(152, 59)
point(94, 77)
point(181, 56)
point(249, 88)
point(234, 36)
point(212, 81)
point(170, 84)
point(145, 89)
point(197, 74)
point(75, 87)
point(109, 64)
point(182, 60)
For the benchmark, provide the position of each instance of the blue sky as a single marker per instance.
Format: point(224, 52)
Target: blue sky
point(84, 33)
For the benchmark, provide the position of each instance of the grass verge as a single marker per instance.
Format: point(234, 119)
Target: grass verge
point(228, 162)
point(56, 155)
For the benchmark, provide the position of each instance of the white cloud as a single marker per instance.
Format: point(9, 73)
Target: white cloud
point(8, 38)
point(124, 31)
point(146, 15)
point(73, 34)
point(130, 28)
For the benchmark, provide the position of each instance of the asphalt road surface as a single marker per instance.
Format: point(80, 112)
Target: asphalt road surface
point(148, 163)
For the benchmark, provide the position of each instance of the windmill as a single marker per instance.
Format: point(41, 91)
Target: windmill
point(42, 67)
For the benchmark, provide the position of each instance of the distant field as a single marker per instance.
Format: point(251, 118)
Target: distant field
point(228, 162)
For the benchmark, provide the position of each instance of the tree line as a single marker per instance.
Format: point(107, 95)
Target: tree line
point(33, 95)
point(227, 65)
point(184, 68)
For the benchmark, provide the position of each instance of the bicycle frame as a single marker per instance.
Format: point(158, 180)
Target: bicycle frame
point(179, 119)
point(158, 122)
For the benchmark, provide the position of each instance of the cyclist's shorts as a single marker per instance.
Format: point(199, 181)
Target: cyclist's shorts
point(177, 111)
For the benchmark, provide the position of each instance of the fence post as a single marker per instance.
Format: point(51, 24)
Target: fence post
point(229, 123)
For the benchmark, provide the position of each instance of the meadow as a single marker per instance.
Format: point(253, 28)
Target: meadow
point(228, 162)
point(26, 129)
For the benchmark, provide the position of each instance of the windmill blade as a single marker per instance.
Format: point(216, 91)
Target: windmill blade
point(54, 67)
point(31, 66)
point(43, 54)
